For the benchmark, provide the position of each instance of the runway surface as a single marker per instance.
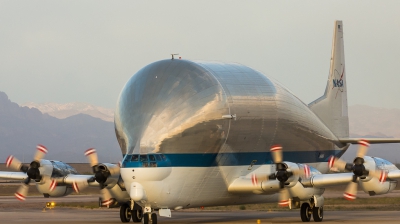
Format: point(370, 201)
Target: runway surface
point(13, 211)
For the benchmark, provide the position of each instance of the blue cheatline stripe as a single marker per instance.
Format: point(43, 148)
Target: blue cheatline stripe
point(235, 159)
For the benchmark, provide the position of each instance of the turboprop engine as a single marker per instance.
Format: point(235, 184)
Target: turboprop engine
point(43, 172)
point(286, 179)
point(376, 186)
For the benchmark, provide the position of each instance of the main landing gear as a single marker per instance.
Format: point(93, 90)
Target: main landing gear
point(126, 214)
point(306, 211)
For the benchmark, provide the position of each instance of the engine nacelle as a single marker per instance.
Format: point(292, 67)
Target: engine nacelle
point(54, 169)
point(371, 185)
point(250, 184)
point(114, 173)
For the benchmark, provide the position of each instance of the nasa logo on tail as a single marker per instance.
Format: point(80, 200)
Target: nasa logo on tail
point(338, 81)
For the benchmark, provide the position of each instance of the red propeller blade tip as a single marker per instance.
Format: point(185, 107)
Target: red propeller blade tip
point(349, 196)
point(254, 180)
point(284, 203)
point(276, 148)
point(90, 151)
point(107, 202)
point(9, 161)
point(383, 176)
point(19, 196)
point(307, 171)
point(41, 148)
point(331, 162)
point(53, 185)
point(363, 142)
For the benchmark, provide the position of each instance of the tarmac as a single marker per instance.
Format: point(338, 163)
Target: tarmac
point(31, 211)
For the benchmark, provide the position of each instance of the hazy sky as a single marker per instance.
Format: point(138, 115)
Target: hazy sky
point(68, 51)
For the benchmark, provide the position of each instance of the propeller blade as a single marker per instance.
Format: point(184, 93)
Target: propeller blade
point(106, 198)
point(283, 197)
point(13, 163)
point(362, 149)
point(380, 174)
point(276, 151)
point(351, 191)
point(92, 157)
point(336, 163)
point(53, 185)
point(40, 153)
point(79, 186)
point(22, 192)
point(305, 172)
point(259, 177)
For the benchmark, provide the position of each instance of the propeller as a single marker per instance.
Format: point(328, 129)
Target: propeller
point(32, 171)
point(358, 169)
point(282, 174)
point(101, 174)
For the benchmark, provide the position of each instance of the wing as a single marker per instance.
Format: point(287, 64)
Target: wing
point(13, 175)
point(370, 140)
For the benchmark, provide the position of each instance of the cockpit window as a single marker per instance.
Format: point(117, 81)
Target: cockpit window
point(135, 158)
point(158, 157)
point(143, 158)
point(152, 158)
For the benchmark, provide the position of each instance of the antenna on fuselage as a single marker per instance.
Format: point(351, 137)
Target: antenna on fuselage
point(172, 56)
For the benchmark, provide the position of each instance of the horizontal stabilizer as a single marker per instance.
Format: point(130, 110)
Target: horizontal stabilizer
point(370, 140)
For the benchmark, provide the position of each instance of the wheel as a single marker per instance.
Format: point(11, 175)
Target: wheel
point(125, 213)
point(146, 218)
point(137, 215)
point(305, 212)
point(153, 218)
point(318, 214)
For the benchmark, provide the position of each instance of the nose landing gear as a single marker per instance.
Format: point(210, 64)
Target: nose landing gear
point(126, 213)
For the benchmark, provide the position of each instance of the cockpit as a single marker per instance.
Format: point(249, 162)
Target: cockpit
point(146, 160)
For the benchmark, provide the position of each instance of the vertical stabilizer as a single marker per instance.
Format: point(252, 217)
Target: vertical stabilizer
point(331, 108)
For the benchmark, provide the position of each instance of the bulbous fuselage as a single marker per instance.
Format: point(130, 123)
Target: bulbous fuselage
point(177, 108)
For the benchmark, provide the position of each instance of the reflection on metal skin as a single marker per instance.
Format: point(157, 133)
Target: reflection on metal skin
point(178, 106)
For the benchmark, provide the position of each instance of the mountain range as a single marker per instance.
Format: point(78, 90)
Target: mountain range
point(22, 128)
point(69, 109)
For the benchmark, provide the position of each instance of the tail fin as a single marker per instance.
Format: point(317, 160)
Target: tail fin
point(331, 108)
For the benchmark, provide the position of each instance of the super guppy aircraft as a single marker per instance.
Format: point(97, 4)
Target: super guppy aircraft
point(197, 133)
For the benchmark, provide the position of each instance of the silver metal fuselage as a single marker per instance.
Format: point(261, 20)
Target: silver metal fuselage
point(180, 109)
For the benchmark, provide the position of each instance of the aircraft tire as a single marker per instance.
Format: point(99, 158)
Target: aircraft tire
point(153, 218)
point(137, 215)
point(318, 214)
point(305, 212)
point(146, 218)
point(125, 213)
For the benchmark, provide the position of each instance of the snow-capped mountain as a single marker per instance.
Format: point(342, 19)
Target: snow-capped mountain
point(69, 109)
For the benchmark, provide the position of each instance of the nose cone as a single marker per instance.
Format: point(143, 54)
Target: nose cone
point(171, 106)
